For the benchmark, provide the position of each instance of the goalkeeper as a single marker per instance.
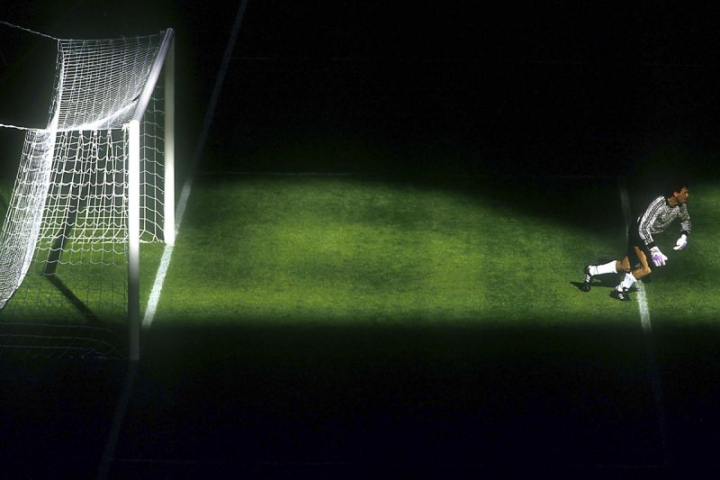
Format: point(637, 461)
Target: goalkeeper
point(641, 245)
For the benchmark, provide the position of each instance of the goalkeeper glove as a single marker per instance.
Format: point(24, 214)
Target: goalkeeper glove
point(681, 243)
point(657, 257)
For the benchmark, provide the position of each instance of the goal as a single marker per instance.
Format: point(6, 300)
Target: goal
point(91, 186)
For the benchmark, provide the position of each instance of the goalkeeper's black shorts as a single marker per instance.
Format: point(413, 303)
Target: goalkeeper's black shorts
point(634, 240)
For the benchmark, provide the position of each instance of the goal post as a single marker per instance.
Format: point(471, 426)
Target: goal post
point(91, 187)
point(134, 240)
point(169, 228)
point(165, 58)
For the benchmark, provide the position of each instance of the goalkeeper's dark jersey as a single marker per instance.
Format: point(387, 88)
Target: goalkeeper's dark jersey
point(658, 216)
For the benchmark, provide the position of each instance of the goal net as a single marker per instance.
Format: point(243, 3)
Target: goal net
point(91, 186)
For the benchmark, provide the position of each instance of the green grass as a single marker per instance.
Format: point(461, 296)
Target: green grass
point(322, 250)
point(338, 250)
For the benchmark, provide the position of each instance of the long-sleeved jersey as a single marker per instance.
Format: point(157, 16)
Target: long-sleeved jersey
point(658, 216)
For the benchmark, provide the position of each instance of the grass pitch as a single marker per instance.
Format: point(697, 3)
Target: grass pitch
point(479, 251)
point(358, 249)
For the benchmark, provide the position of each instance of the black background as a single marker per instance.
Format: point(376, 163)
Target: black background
point(459, 87)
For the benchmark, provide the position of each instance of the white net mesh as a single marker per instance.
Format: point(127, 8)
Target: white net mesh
point(101, 80)
point(64, 242)
point(21, 226)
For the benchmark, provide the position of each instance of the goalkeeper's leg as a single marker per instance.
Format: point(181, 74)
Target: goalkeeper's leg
point(621, 292)
point(593, 270)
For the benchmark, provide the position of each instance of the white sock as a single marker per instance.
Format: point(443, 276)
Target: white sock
point(603, 269)
point(627, 282)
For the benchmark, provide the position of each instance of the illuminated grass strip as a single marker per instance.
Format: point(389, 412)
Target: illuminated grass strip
point(367, 251)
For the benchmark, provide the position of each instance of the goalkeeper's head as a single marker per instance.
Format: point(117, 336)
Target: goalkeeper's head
point(677, 189)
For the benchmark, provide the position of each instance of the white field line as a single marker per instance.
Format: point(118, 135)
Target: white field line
point(185, 193)
point(649, 342)
point(157, 286)
point(167, 255)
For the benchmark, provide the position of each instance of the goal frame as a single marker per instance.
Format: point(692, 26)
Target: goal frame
point(164, 62)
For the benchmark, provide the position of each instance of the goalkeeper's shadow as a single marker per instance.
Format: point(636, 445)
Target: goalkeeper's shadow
point(607, 281)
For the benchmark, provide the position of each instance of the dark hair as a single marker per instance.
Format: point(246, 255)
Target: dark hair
point(674, 185)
